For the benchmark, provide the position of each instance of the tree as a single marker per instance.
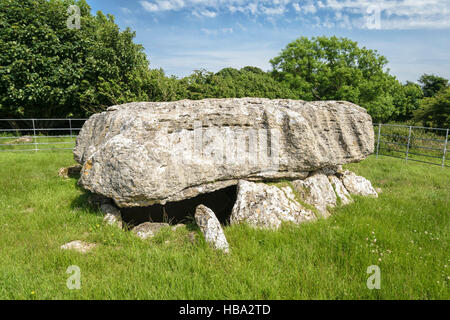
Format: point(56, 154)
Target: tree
point(334, 68)
point(49, 70)
point(435, 111)
point(407, 99)
point(163, 88)
point(432, 84)
point(233, 83)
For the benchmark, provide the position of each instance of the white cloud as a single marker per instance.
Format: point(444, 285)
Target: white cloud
point(210, 8)
point(395, 14)
point(204, 13)
point(273, 11)
point(215, 32)
point(209, 31)
point(399, 14)
point(227, 30)
point(162, 5)
point(310, 8)
point(125, 10)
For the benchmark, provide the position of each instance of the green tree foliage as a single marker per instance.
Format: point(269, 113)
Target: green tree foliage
point(163, 88)
point(432, 84)
point(233, 83)
point(435, 111)
point(407, 100)
point(49, 70)
point(334, 68)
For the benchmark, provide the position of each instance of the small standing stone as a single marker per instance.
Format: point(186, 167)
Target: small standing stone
point(211, 229)
point(112, 215)
point(264, 206)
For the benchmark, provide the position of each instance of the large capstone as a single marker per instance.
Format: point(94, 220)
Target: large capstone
point(141, 154)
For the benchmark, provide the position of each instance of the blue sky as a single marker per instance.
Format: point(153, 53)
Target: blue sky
point(184, 35)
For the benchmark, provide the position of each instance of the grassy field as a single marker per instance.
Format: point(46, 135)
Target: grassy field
point(405, 232)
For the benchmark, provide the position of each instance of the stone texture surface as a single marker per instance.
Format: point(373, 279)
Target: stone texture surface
point(265, 206)
point(357, 185)
point(79, 246)
point(140, 154)
point(340, 190)
point(317, 191)
point(211, 229)
point(148, 229)
point(112, 215)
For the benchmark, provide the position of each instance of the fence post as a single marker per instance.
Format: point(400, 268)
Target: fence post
point(445, 149)
point(378, 140)
point(34, 136)
point(70, 125)
point(409, 141)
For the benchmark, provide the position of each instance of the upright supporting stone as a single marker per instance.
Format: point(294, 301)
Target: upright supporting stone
point(340, 190)
point(112, 215)
point(358, 185)
point(317, 191)
point(211, 229)
point(264, 206)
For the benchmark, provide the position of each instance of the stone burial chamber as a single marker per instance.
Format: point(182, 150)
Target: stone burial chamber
point(249, 160)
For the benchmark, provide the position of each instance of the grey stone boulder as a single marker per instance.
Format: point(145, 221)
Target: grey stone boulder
point(148, 229)
point(316, 190)
point(267, 206)
point(140, 154)
point(211, 228)
point(358, 185)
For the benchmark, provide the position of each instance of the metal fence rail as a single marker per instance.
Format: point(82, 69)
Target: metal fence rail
point(413, 143)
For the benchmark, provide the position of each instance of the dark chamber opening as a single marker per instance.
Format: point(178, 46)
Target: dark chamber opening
point(220, 201)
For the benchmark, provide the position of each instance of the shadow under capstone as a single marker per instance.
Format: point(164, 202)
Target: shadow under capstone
point(220, 201)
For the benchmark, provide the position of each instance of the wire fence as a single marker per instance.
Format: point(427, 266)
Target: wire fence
point(411, 143)
point(38, 134)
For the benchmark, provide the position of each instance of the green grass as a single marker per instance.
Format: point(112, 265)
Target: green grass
point(327, 259)
point(11, 143)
